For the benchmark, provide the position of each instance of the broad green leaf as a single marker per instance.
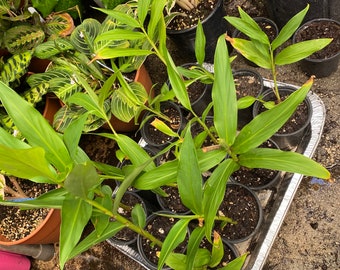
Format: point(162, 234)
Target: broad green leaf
point(289, 28)
point(214, 190)
point(75, 215)
point(108, 53)
point(175, 236)
point(264, 125)
point(11, 141)
point(93, 239)
point(245, 102)
point(200, 42)
point(26, 163)
point(189, 178)
point(156, 15)
point(138, 216)
point(224, 95)
point(250, 51)
point(44, 7)
point(236, 264)
point(164, 128)
point(83, 35)
point(82, 180)
point(35, 128)
point(86, 102)
point(284, 161)
point(301, 50)
point(119, 34)
point(101, 221)
point(177, 261)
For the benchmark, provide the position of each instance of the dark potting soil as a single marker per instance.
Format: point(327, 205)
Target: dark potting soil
point(159, 227)
point(326, 29)
point(173, 201)
point(255, 177)
point(247, 85)
point(188, 19)
point(241, 206)
point(16, 224)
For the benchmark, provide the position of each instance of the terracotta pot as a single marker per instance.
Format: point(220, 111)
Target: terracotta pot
point(46, 233)
point(143, 77)
point(52, 105)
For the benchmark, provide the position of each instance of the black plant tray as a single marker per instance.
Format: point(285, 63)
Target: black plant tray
point(275, 200)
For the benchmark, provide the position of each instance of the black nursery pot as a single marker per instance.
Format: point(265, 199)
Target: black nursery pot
point(156, 138)
point(288, 137)
point(324, 62)
point(242, 205)
point(247, 83)
point(126, 236)
point(213, 25)
point(159, 226)
point(283, 10)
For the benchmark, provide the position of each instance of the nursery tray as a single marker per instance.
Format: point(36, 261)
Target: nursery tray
point(275, 201)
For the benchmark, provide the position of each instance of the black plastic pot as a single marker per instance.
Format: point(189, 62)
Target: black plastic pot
point(281, 11)
point(258, 179)
point(247, 83)
point(153, 222)
point(147, 129)
point(321, 65)
point(214, 25)
point(246, 226)
point(286, 141)
point(267, 25)
point(127, 236)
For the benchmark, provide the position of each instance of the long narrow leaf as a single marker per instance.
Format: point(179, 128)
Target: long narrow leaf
point(289, 28)
point(301, 50)
point(264, 125)
point(75, 215)
point(175, 236)
point(284, 161)
point(200, 42)
point(224, 95)
point(189, 178)
point(35, 128)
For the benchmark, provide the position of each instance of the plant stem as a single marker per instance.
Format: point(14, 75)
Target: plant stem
point(273, 71)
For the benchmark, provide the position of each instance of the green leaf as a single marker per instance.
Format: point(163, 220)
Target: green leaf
point(214, 190)
point(200, 42)
point(108, 53)
point(224, 95)
point(82, 180)
point(93, 239)
point(189, 178)
point(164, 128)
point(217, 251)
point(177, 261)
point(195, 239)
point(250, 50)
point(245, 102)
point(138, 216)
point(142, 10)
point(175, 236)
point(289, 28)
point(301, 50)
point(264, 125)
point(35, 128)
point(236, 264)
point(44, 7)
point(122, 17)
point(26, 163)
point(75, 214)
point(283, 161)
point(156, 12)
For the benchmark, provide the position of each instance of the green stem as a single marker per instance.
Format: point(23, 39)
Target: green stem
point(273, 71)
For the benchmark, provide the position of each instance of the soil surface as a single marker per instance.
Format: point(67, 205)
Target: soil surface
point(309, 236)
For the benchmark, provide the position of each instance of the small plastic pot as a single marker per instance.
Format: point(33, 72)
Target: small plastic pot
point(214, 25)
point(240, 202)
point(320, 64)
point(289, 140)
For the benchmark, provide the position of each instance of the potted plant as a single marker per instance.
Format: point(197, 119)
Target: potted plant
point(82, 197)
point(262, 52)
point(322, 63)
